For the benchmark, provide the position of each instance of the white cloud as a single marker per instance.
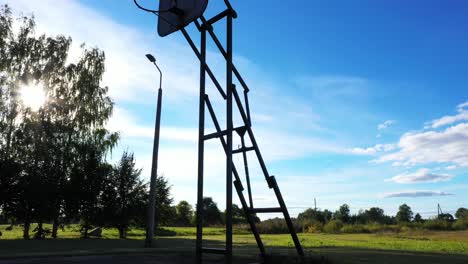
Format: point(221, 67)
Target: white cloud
point(261, 118)
point(415, 194)
point(373, 150)
point(124, 122)
point(332, 86)
point(451, 167)
point(282, 145)
point(421, 175)
point(386, 124)
point(346, 83)
point(450, 119)
point(462, 105)
point(447, 146)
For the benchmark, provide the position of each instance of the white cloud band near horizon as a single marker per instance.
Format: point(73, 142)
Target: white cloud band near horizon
point(420, 176)
point(415, 194)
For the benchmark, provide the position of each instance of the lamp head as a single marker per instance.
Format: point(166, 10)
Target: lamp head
point(151, 58)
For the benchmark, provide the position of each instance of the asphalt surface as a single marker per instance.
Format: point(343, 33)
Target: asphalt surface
point(120, 259)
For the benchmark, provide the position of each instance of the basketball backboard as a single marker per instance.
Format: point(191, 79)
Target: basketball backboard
point(176, 14)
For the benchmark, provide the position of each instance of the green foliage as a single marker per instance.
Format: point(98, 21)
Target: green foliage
point(53, 158)
point(311, 226)
point(343, 214)
point(418, 218)
point(461, 213)
point(212, 215)
point(124, 199)
point(437, 224)
point(354, 229)
point(333, 226)
point(404, 214)
point(316, 215)
point(165, 212)
point(461, 224)
point(184, 214)
point(164, 232)
point(276, 226)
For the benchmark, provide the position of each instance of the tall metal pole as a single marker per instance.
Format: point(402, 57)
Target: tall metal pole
point(154, 163)
point(229, 87)
point(201, 147)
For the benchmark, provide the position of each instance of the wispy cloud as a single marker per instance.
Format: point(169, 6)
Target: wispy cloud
point(421, 175)
point(462, 115)
point(415, 194)
point(386, 124)
point(126, 123)
point(347, 83)
point(447, 146)
point(332, 86)
point(373, 150)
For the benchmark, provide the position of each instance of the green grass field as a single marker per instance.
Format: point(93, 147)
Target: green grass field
point(408, 247)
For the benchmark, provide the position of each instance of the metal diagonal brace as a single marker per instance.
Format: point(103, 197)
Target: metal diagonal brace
point(207, 68)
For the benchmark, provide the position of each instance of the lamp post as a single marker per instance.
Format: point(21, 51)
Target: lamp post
point(154, 164)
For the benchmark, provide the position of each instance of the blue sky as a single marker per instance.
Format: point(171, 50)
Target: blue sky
point(352, 102)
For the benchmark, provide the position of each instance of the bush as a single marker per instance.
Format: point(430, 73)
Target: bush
point(333, 226)
point(437, 224)
point(165, 232)
point(276, 226)
point(461, 224)
point(312, 226)
point(353, 229)
point(378, 228)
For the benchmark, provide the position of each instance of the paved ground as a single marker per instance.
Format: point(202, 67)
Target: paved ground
point(116, 259)
point(136, 259)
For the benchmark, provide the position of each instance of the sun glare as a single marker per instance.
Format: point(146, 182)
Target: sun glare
point(33, 96)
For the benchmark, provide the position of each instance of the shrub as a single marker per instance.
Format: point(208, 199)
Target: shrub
point(312, 226)
point(333, 226)
point(352, 229)
point(461, 224)
point(378, 228)
point(276, 226)
point(437, 224)
point(165, 232)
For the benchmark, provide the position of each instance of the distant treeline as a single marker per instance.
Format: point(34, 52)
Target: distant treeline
point(366, 221)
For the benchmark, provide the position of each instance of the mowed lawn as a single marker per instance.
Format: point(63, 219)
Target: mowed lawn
point(408, 247)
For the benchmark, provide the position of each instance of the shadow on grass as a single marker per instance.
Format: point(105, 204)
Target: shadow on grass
point(244, 252)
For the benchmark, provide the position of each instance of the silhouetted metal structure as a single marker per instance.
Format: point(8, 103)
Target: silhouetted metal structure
point(171, 19)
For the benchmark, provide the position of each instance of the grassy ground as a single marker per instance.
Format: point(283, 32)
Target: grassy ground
point(409, 247)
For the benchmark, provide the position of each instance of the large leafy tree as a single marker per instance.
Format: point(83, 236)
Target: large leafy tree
point(125, 197)
point(315, 215)
point(461, 213)
point(184, 213)
point(343, 213)
point(211, 213)
point(165, 212)
point(404, 214)
point(43, 151)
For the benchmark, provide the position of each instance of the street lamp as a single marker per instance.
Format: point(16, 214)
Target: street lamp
point(154, 164)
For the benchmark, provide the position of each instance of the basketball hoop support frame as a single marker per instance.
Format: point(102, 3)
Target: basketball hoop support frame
point(245, 130)
point(226, 137)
